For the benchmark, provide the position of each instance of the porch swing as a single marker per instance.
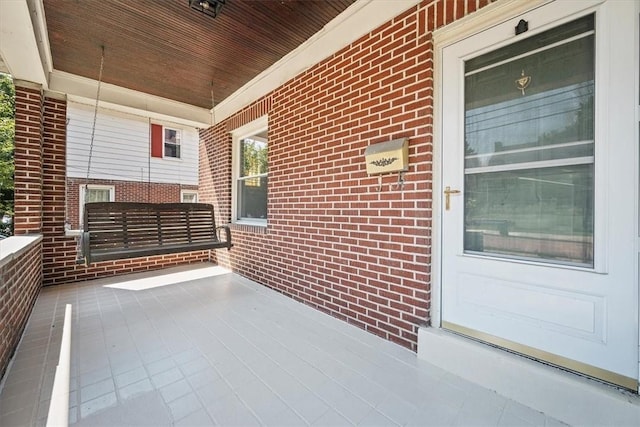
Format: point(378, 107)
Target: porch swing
point(121, 230)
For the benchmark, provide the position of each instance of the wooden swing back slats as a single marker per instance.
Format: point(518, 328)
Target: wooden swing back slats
point(118, 230)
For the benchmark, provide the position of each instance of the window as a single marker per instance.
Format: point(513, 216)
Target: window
point(250, 173)
point(171, 143)
point(189, 196)
point(93, 194)
point(165, 142)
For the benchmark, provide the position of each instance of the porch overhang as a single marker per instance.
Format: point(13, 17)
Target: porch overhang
point(24, 46)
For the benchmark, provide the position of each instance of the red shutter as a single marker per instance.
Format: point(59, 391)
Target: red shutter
point(156, 141)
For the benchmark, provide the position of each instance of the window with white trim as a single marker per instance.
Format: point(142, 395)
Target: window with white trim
point(187, 196)
point(171, 143)
point(166, 142)
point(250, 172)
point(93, 193)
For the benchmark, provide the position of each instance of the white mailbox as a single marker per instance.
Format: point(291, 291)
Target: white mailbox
point(387, 157)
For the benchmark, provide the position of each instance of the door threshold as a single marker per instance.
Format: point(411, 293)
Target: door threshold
point(545, 357)
point(563, 395)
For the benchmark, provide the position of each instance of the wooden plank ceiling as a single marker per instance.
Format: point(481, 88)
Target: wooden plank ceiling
point(165, 48)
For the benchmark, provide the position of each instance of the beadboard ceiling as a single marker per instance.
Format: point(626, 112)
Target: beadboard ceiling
point(165, 48)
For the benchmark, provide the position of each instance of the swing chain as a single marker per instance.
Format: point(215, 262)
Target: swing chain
point(93, 128)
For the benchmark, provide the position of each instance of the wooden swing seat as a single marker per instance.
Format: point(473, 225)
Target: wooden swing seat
point(118, 230)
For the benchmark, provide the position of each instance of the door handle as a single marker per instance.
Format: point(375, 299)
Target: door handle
point(447, 197)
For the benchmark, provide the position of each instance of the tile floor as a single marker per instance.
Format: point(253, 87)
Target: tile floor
point(214, 348)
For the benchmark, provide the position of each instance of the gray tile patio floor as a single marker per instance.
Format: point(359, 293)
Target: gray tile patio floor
point(202, 346)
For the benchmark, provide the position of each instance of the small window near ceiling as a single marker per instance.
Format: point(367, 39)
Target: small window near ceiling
point(189, 196)
point(165, 142)
point(171, 143)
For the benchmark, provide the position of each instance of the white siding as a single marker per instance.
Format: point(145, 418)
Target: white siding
point(122, 148)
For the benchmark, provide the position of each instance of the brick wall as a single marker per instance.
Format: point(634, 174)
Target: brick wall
point(20, 282)
point(335, 240)
point(125, 191)
point(28, 158)
point(214, 185)
point(41, 205)
point(60, 252)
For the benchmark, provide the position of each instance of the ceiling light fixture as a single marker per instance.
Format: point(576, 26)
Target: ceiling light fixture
point(208, 7)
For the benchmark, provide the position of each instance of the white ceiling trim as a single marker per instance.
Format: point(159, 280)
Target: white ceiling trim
point(83, 90)
point(357, 20)
point(19, 44)
point(41, 33)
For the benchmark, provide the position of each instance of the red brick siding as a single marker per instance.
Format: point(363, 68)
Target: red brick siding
point(20, 282)
point(334, 240)
point(41, 194)
point(216, 158)
point(28, 160)
point(125, 191)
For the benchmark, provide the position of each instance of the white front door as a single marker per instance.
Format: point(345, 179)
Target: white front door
point(539, 179)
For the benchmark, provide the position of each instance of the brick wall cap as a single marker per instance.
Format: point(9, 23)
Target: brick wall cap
point(27, 84)
point(55, 95)
point(14, 246)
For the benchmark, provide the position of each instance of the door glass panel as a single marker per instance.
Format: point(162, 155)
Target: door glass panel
point(529, 148)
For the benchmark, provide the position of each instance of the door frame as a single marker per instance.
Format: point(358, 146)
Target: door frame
point(487, 19)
